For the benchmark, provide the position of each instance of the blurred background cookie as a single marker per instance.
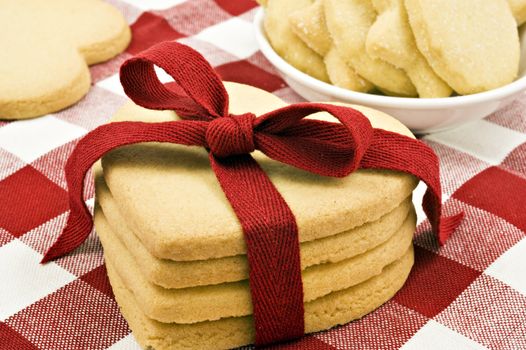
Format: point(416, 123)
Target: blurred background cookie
point(46, 49)
point(391, 39)
point(286, 43)
point(349, 22)
point(474, 47)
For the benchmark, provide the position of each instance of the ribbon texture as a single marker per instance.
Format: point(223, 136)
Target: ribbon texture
point(271, 234)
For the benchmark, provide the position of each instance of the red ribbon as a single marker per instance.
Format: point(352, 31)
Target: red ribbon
point(271, 234)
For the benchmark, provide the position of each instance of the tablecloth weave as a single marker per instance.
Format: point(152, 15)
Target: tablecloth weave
point(468, 294)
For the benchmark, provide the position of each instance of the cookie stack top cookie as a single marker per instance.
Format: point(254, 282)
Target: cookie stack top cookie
point(174, 203)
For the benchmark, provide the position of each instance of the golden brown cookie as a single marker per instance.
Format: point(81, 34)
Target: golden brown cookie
point(391, 39)
point(162, 189)
point(208, 303)
point(180, 274)
point(348, 23)
point(472, 45)
point(342, 75)
point(309, 24)
point(518, 8)
point(46, 49)
point(286, 43)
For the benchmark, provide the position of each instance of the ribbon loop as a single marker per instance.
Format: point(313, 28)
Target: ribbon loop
point(186, 94)
point(320, 147)
point(232, 135)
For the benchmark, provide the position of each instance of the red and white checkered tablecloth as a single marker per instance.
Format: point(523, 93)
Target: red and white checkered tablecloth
point(468, 294)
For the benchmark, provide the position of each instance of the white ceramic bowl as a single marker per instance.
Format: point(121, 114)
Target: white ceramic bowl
point(421, 115)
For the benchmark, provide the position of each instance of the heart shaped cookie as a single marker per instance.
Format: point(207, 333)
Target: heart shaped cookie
point(160, 212)
point(46, 49)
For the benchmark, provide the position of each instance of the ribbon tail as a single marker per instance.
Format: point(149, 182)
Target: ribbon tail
point(91, 148)
point(273, 249)
point(77, 229)
point(445, 225)
point(393, 151)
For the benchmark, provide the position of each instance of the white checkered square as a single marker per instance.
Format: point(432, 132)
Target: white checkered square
point(510, 267)
point(24, 280)
point(126, 343)
point(434, 336)
point(235, 36)
point(112, 84)
point(482, 139)
point(30, 139)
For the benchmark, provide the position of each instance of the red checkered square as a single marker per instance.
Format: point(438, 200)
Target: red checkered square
point(478, 241)
point(513, 116)
point(245, 72)
point(389, 327)
point(76, 316)
point(236, 8)
point(455, 167)
point(150, 29)
point(98, 279)
point(10, 164)
point(10, 339)
point(28, 200)
point(90, 112)
point(498, 192)
point(184, 20)
point(516, 160)
point(434, 283)
point(489, 312)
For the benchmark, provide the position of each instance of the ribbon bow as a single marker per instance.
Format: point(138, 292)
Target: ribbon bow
point(271, 234)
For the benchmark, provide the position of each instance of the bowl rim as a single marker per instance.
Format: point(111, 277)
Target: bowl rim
point(378, 100)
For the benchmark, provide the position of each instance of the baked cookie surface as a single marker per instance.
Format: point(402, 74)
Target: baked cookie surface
point(46, 49)
point(472, 45)
point(181, 274)
point(163, 187)
point(212, 302)
point(286, 43)
point(348, 23)
point(323, 313)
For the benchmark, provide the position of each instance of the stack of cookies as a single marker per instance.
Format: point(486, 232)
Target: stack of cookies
point(175, 252)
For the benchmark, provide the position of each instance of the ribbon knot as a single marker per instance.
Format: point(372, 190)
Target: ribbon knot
point(231, 135)
point(269, 227)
